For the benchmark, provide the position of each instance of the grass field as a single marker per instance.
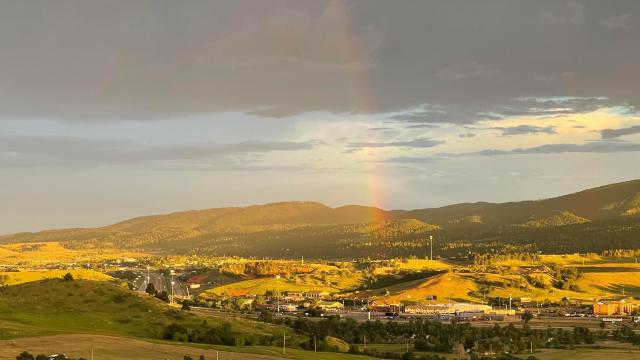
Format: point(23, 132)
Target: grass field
point(117, 348)
point(412, 265)
point(592, 284)
point(56, 306)
point(71, 316)
point(15, 278)
point(262, 285)
point(54, 252)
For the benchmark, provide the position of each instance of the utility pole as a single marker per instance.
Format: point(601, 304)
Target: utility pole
point(284, 342)
point(278, 294)
point(509, 301)
point(407, 344)
point(364, 341)
point(315, 344)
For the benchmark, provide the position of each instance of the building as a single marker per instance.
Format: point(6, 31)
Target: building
point(613, 307)
point(289, 307)
point(330, 305)
point(316, 294)
point(455, 308)
point(294, 295)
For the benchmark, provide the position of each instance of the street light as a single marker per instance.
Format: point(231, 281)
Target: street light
point(172, 283)
point(431, 242)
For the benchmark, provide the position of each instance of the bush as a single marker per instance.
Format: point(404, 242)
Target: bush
point(25, 356)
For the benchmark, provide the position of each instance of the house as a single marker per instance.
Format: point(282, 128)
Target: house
point(316, 294)
point(330, 305)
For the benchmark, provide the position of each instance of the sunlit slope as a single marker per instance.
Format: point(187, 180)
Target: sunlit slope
point(593, 284)
point(560, 219)
point(264, 285)
point(14, 278)
point(55, 251)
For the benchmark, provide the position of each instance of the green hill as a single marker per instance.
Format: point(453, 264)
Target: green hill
point(79, 306)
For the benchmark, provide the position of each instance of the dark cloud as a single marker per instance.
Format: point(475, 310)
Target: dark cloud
point(415, 143)
point(57, 150)
point(615, 133)
point(465, 114)
point(525, 130)
point(148, 59)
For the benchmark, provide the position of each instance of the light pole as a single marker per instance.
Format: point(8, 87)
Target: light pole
point(148, 276)
point(172, 282)
point(431, 242)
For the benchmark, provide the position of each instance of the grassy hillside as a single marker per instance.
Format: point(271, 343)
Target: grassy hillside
point(263, 285)
point(561, 219)
point(15, 278)
point(118, 348)
point(53, 306)
point(594, 282)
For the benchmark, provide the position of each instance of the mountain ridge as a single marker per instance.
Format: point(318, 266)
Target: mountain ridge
point(291, 224)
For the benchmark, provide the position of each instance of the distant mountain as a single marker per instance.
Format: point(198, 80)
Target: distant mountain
point(313, 229)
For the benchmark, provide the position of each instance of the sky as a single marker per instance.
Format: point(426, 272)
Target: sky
point(114, 109)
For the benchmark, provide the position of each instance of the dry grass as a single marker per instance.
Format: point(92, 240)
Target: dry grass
point(54, 252)
point(14, 278)
point(262, 285)
point(111, 348)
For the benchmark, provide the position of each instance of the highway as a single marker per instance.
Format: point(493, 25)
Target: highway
point(160, 282)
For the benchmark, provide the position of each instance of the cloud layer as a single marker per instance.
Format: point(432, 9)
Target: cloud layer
point(73, 60)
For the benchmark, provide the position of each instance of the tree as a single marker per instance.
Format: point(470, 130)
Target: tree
point(201, 357)
point(151, 289)
point(163, 296)
point(458, 351)
point(42, 357)
point(24, 356)
point(527, 316)
point(186, 305)
point(68, 277)
point(188, 357)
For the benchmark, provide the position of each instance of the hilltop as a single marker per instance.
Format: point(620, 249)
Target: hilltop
point(311, 229)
